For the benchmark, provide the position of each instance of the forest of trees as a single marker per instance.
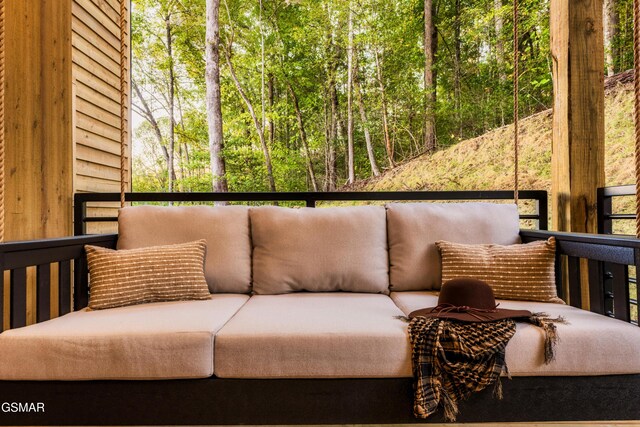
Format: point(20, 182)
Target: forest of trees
point(310, 95)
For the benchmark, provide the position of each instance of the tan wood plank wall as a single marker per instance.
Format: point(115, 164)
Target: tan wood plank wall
point(38, 128)
point(62, 117)
point(96, 84)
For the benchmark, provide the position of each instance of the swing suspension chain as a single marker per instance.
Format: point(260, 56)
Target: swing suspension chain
point(516, 61)
point(636, 84)
point(123, 88)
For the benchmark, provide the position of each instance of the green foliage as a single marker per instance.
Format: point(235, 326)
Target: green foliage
point(305, 46)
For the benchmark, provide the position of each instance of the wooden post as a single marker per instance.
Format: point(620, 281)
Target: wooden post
point(39, 156)
point(577, 48)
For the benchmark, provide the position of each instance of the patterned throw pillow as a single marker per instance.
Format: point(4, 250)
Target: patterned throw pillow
point(520, 272)
point(152, 274)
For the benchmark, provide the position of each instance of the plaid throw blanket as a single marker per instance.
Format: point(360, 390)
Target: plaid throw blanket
point(451, 360)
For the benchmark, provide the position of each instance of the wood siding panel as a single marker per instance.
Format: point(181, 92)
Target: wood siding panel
point(96, 72)
point(99, 143)
point(96, 98)
point(80, 59)
point(97, 53)
point(95, 155)
point(97, 85)
point(111, 37)
point(108, 9)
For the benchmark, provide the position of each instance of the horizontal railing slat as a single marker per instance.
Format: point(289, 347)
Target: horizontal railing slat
point(593, 239)
point(37, 252)
point(57, 243)
point(619, 190)
point(620, 216)
point(304, 196)
point(597, 252)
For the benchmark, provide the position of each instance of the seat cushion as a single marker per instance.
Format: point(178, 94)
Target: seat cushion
point(151, 341)
point(590, 344)
point(414, 228)
point(319, 249)
point(227, 266)
point(314, 335)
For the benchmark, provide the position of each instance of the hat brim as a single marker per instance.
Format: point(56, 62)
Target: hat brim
point(499, 314)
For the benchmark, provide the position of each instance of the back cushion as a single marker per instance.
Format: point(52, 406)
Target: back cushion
point(319, 249)
point(415, 227)
point(227, 266)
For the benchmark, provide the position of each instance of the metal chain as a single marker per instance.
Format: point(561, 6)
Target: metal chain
point(2, 127)
point(123, 88)
point(516, 61)
point(636, 84)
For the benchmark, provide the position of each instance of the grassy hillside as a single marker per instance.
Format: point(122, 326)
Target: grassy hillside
point(486, 162)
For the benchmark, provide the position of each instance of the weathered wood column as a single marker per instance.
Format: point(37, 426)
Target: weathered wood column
point(38, 119)
point(577, 48)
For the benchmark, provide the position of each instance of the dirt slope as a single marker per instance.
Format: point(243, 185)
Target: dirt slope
point(486, 162)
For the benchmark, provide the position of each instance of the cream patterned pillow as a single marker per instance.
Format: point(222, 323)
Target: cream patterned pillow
point(520, 272)
point(152, 274)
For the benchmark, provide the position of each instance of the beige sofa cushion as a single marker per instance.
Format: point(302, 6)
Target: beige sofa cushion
point(225, 229)
point(152, 341)
point(314, 335)
point(415, 227)
point(319, 249)
point(590, 344)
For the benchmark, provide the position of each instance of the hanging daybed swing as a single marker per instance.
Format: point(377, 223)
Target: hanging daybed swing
point(214, 400)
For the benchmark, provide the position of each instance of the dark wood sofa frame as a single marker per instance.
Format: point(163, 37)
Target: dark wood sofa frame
point(309, 401)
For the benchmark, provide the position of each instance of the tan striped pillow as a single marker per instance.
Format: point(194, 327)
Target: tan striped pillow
point(521, 272)
point(152, 274)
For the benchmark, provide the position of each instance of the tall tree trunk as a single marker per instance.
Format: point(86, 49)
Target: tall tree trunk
point(365, 124)
point(214, 106)
point(385, 120)
point(611, 22)
point(351, 174)
point(456, 67)
point(498, 23)
point(429, 139)
point(303, 138)
point(172, 118)
point(256, 121)
point(327, 139)
point(272, 125)
point(335, 136)
point(263, 116)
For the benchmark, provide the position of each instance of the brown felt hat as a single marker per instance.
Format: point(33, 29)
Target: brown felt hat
point(468, 300)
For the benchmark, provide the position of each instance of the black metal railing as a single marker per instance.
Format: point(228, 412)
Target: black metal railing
point(618, 279)
point(33, 260)
point(310, 199)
